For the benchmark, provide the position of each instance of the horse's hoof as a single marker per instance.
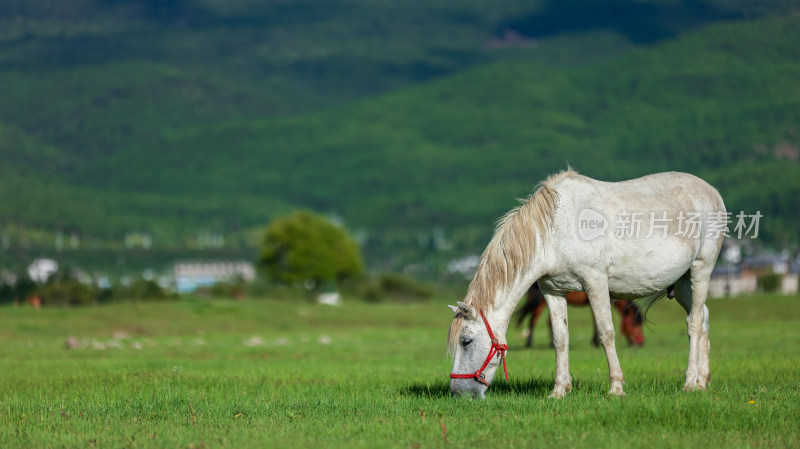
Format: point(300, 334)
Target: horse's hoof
point(616, 391)
point(560, 391)
point(696, 384)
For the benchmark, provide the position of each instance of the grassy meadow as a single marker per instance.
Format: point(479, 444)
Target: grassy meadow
point(268, 373)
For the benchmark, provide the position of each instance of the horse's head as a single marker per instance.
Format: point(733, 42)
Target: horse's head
point(476, 351)
point(633, 325)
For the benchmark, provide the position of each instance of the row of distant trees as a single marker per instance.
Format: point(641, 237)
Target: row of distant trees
point(64, 289)
point(303, 250)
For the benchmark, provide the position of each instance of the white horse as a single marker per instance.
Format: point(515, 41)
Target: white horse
point(625, 240)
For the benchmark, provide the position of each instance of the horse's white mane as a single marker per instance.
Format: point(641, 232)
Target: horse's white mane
point(512, 247)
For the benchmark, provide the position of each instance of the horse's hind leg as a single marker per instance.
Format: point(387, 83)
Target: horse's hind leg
point(531, 326)
point(595, 337)
point(691, 291)
point(537, 312)
point(601, 307)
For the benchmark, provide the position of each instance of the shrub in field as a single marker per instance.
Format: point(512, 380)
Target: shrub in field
point(66, 291)
point(769, 282)
point(370, 290)
point(143, 289)
point(233, 289)
point(397, 287)
point(105, 295)
point(19, 290)
point(139, 289)
point(7, 294)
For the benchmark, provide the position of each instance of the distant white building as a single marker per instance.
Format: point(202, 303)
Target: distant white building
point(731, 281)
point(41, 269)
point(191, 275)
point(464, 266)
point(789, 284)
point(330, 299)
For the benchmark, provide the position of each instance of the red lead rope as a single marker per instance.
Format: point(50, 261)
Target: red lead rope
point(496, 347)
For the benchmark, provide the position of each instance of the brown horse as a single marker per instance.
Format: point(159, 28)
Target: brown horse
point(631, 326)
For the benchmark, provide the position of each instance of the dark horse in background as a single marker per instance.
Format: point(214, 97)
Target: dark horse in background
point(632, 323)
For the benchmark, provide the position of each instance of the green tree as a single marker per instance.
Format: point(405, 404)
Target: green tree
point(307, 246)
point(66, 291)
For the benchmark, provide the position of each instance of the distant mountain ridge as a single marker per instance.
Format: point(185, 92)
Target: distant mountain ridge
point(429, 132)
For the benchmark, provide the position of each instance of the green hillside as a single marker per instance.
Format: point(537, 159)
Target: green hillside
point(177, 117)
point(456, 152)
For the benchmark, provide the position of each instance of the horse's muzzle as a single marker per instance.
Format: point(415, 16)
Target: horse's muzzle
point(467, 388)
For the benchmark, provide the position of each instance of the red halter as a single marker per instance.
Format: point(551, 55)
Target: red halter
point(496, 347)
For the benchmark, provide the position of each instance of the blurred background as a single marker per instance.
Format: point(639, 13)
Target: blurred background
point(155, 147)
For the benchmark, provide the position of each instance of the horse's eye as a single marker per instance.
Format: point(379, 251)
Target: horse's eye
point(465, 342)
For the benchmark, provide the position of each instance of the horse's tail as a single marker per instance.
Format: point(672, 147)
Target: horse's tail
point(638, 319)
point(644, 304)
point(532, 301)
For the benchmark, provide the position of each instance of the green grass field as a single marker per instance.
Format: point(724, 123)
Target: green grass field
point(263, 373)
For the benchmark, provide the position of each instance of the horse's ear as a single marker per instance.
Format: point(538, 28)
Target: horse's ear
point(453, 308)
point(467, 310)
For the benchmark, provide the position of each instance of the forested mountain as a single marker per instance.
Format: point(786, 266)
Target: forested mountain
point(172, 118)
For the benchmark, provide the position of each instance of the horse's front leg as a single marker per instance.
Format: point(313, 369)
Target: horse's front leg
point(558, 320)
point(604, 326)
